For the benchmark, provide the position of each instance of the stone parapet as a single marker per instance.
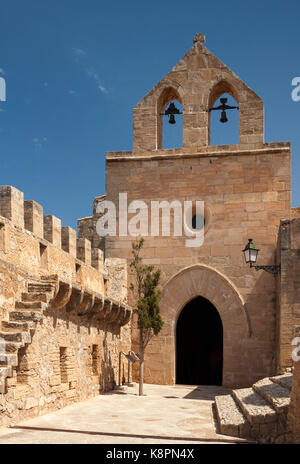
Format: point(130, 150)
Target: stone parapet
point(26, 216)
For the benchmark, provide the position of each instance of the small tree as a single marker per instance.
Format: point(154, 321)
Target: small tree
point(147, 307)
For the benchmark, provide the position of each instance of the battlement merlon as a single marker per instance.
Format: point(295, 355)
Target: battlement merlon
point(28, 215)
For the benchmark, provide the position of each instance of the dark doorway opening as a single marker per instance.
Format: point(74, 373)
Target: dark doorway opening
point(199, 344)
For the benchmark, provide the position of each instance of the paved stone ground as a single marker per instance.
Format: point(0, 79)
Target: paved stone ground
point(166, 414)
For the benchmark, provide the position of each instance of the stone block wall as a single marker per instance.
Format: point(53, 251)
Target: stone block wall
point(246, 190)
point(246, 193)
point(197, 81)
point(87, 226)
point(294, 408)
point(288, 314)
point(68, 360)
point(65, 355)
point(295, 212)
point(41, 246)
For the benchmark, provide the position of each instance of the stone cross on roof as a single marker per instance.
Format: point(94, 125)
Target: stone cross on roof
point(199, 38)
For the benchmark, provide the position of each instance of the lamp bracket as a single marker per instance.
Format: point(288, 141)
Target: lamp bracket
point(271, 269)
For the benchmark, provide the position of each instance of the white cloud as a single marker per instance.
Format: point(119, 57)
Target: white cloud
point(96, 77)
point(39, 142)
point(78, 53)
point(2, 71)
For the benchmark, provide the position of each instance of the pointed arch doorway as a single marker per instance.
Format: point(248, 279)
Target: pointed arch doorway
point(199, 344)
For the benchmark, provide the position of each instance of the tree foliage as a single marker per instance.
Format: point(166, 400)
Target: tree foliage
point(147, 279)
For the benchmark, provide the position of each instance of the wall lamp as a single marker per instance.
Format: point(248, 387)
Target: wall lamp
point(250, 253)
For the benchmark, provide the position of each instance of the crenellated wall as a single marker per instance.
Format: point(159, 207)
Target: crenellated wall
point(63, 313)
point(87, 226)
point(42, 246)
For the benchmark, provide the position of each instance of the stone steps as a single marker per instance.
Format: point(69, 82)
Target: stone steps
point(34, 305)
point(274, 393)
point(7, 360)
point(15, 332)
point(13, 325)
point(36, 296)
point(231, 419)
point(12, 347)
point(25, 316)
point(285, 380)
point(41, 287)
point(22, 337)
point(255, 408)
point(257, 412)
point(4, 373)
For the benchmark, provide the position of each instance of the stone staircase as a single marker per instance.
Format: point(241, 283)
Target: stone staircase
point(258, 412)
point(18, 330)
point(51, 293)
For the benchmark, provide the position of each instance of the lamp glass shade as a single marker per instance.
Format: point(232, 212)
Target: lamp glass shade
point(250, 252)
point(253, 255)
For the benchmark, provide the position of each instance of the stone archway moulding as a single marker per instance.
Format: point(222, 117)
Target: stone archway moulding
point(205, 281)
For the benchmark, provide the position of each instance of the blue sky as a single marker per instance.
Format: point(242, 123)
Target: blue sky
point(75, 69)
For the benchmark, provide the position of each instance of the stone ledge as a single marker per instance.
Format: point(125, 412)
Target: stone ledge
point(201, 152)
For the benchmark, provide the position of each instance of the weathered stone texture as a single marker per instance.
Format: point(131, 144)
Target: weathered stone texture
point(47, 379)
point(52, 230)
point(115, 271)
point(33, 216)
point(294, 411)
point(67, 343)
point(68, 240)
point(84, 250)
point(244, 198)
point(56, 344)
point(246, 192)
point(197, 81)
point(288, 317)
point(12, 204)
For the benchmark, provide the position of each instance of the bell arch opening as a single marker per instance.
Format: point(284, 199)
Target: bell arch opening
point(199, 344)
point(223, 128)
point(169, 128)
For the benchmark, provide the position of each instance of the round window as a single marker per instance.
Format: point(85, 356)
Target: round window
point(198, 221)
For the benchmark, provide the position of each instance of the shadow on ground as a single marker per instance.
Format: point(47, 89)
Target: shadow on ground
point(124, 435)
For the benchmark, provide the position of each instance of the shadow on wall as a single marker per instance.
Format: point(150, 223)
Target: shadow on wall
point(107, 377)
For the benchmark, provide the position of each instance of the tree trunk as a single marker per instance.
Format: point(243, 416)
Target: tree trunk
point(141, 383)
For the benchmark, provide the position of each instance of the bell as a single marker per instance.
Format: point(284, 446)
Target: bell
point(223, 117)
point(172, 119)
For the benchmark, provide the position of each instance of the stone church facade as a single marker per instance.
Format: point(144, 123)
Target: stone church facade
point(246, 189)
point(65, 304)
